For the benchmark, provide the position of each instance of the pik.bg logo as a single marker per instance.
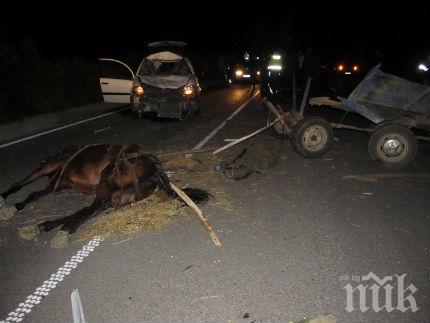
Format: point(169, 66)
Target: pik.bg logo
point(371, 292)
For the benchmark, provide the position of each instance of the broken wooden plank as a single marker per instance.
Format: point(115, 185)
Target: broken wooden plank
point(325, 100)
point(233, 143)
point(199, 213)
point(373, 178)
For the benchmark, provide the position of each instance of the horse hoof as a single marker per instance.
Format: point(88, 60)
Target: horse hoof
point(7, 212)
point(61, 240)
point(29, 232)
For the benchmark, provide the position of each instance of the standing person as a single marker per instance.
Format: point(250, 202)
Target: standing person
point(300, 74)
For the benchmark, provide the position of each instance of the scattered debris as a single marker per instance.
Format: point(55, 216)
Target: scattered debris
point(373, 178)
point(188, 267)
point(77, 309)
point(103, 129)
point(320, 319)
point(233, 143)
point(205, 297)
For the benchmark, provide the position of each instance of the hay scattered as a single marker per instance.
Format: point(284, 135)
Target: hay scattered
point(153, 213)
point(149, 214)
point(197, 171)
point(320, 319)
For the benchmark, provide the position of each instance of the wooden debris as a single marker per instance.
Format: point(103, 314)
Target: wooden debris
point(373, 178)
point(233, 143)
point(325, 100)
point(320, 319)
point(199, 213)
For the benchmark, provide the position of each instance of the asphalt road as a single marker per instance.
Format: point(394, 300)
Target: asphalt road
point(293, 237)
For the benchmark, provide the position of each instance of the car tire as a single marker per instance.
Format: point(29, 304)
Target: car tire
point(393, 146)
point(312, 137)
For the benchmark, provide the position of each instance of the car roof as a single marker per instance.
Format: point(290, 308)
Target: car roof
point(176, 47)
point(166, 43)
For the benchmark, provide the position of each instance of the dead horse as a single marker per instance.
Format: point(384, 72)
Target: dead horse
point(115, 175)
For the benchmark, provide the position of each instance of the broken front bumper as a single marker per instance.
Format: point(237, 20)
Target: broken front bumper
point(163, 109)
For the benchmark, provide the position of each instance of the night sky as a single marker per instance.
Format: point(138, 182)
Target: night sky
point(64, 29)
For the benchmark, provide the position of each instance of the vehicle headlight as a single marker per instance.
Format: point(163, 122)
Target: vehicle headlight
point(239, 73)
point(274, 67)
point(258, 72)
point(340, 67)
point(423, 68)
point(138, 90)
point(355, 68)
point(189, 90)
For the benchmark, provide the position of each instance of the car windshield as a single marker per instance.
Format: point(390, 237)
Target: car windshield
point(158, 67)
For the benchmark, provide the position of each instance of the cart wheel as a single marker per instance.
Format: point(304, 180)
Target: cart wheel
point(393, 146)
point(312, 137)
point(279, 129)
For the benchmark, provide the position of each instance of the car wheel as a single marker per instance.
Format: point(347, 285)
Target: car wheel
point(312, 137)
point(393, 146)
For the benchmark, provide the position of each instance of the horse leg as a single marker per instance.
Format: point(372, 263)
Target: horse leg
point(8, 212)
point(34, 196)
point(101, 202)
point(41, 171)
point(74, 221)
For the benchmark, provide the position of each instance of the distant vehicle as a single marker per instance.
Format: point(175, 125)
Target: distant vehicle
point(165, 83)
point(244, 70)
point(344, 73)
point(244, 73)
point(345, 68)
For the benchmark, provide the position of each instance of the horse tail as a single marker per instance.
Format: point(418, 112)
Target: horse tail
point(164, 183)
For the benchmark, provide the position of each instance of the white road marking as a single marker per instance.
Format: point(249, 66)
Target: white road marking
point(59, 128)
point(43, 290)
point(213, 133)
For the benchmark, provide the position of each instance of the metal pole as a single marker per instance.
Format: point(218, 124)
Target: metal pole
point(294, 92)
point(305, 96)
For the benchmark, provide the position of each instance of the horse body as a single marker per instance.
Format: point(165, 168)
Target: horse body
point(114, 174)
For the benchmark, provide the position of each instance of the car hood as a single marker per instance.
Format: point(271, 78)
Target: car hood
point(167, 82)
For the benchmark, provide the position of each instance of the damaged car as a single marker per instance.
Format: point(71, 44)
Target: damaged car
point(164, 85)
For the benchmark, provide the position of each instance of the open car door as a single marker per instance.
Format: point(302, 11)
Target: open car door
point(116, 80)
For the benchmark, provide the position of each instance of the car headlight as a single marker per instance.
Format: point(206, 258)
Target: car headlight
point(189, 90)
point(355, 68)
point(239, 73)
point(340, 67)
point(423, 67)
point(138, 90)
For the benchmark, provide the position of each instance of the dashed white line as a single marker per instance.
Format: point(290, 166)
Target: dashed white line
point(56, 278)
